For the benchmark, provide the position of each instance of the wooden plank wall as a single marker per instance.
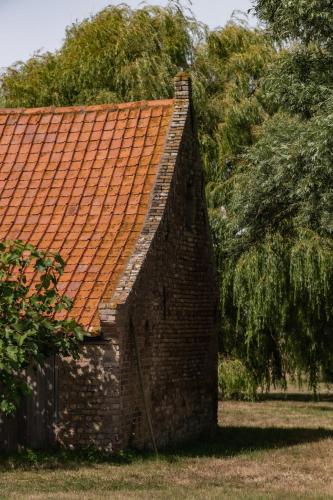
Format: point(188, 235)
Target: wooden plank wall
point(33, 424)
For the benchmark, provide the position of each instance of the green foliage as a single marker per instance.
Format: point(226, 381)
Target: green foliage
point(235, 381)
point(29, 330)
point(227, 68)
point(276, 259)
point(61, 458)
point(297, 19)
point(118, 55)
point(281, 291)
point(277, 263)
point(299, 80)
point(287, 179)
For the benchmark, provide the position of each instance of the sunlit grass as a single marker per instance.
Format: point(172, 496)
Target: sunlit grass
point(270, 449)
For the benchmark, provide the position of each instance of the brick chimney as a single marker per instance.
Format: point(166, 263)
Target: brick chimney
point(183, 87)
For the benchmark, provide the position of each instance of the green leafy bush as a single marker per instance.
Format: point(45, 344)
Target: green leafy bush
point(30, 310)
point(235, 381)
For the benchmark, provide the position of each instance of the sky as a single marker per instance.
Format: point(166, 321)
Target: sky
point(30, 25)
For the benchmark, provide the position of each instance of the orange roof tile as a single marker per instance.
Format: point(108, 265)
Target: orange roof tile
point(78, 181)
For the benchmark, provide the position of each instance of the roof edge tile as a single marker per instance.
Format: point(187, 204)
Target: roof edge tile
point(83, 109)
point(182, 109)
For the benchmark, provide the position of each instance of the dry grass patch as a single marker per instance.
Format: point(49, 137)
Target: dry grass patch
point(272, 449)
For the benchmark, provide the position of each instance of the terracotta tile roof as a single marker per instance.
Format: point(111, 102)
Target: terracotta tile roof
point(78, 181)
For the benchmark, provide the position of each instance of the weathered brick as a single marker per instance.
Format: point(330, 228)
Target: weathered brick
point(166, 298)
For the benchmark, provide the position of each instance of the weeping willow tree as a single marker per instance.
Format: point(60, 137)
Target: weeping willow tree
point(276, 261)
point(227, 68)
point(119, 54)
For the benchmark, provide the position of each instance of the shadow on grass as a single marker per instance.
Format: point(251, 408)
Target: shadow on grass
point(232, 441)
point(297, 397)
point(227, 442)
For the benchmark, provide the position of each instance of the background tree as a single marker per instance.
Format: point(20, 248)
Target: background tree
point(264, 104)
point(120, 54)
point(30, 325)
point(227, 68)
point(277, 256)
point(125, 54)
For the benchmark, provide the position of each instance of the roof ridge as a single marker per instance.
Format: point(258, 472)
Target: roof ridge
point(86, 108)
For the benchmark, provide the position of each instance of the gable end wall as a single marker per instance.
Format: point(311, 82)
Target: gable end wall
point(169, 319)
point(160, 324)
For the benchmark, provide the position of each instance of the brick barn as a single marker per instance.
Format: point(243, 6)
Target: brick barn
point(118, 191)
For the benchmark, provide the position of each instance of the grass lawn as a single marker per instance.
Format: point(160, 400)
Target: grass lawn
point(272, 449)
